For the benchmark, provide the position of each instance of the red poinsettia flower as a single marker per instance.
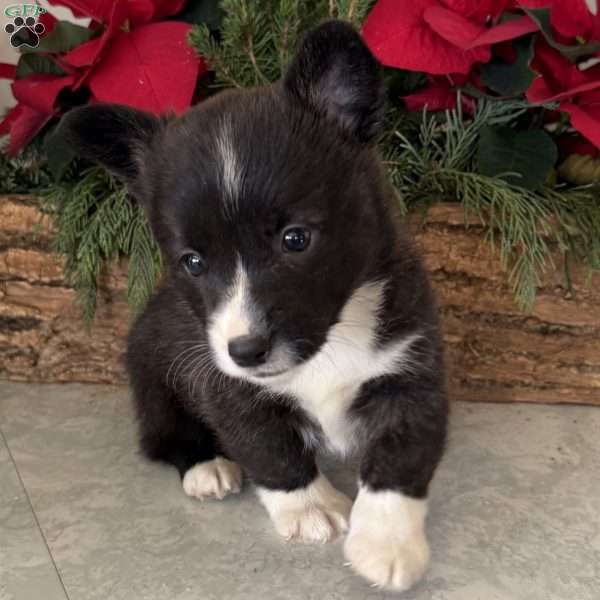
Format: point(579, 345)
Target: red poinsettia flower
point(155, 68)
point(134, 60)
point(571, 18)
point(36, 96)
point(577, 91)
point(439, 36)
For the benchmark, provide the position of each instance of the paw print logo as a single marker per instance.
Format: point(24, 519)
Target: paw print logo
point(24, 32)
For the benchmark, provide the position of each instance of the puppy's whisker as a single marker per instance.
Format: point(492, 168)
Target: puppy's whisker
point(192, 352)
point(174, 361)
point(197, 367)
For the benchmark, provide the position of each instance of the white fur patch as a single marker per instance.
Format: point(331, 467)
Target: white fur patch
point(327, 384)
point(231, 168)
point(316, 513)
point(232, 319)
point(387, 543)
point(213, 479)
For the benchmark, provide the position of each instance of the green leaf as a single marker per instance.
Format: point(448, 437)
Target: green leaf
point(522, 158)
point(36, 63)
point(197, 12)
point(64, 37)
point(511, 79)
point(59, 154)
point(542, 17)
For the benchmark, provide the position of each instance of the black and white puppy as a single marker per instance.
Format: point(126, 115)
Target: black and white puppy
point(294, 315)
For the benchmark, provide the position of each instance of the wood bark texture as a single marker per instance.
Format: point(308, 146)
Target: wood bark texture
point(495, 352)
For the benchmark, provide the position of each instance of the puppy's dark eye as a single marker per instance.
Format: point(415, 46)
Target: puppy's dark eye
point(194, 264)
point(295, 239)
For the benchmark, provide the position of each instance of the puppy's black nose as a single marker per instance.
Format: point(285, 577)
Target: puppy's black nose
point(249, 350)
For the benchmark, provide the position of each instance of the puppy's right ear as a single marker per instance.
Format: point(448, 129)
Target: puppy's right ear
point(113, 135)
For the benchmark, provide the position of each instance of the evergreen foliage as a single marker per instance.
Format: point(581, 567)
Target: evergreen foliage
point(258, 39)
point(25, 173)
point(430, 158)
point(96, 223)
point(437, 160)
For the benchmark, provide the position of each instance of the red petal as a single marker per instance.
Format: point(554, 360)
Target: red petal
point(506, 31)
point(140, 11)
point(155, 69)
point(398, 36)
point(98, 10)
point(39, 92)
point(9, 118)
point(438, 96)
point(144, 11)
point(86, 54)
point(23, 123)
point(538, 92)
point(559, 79)
point(585, 120)
point(571, 18)
point(8, 71)
point(452, 27)
point(479, 10)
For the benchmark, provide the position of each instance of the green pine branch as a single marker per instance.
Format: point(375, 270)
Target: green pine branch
point(258, 37)
point(96, 223)
point(25, 173)
point(436, 161)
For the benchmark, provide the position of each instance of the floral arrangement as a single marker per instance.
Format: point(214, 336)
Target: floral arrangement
point(547, 51)
point(492, 103)
point(129, 54)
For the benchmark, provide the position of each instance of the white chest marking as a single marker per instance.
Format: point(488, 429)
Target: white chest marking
point(327, 384)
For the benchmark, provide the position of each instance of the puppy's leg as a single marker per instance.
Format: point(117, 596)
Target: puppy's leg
point(387, 543)
point(170, 434)
point(301, 502)
point(316, 512)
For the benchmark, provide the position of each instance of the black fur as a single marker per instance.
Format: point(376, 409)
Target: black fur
point(304, 151)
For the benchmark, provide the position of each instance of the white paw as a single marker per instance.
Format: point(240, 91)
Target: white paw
point(386, 544)
point(385, 561)
point(317, 513)
point(213, 479)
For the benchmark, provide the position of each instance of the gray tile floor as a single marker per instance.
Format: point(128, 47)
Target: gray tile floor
point(515, 512)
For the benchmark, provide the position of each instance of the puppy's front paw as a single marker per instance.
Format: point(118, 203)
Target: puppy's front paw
point(386, 543)
point(387, 562)
point(316, 513)
point(312, 523)
point(215, 478)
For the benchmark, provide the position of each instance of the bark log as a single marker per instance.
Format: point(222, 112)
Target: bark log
point(495, 352)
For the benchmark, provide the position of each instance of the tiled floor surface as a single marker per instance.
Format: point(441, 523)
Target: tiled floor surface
point(515, 512)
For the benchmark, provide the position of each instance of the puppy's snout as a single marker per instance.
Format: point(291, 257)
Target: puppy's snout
point(249, 350)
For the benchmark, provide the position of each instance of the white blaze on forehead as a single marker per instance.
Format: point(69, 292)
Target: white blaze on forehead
point(231, 171)
point(231, 319)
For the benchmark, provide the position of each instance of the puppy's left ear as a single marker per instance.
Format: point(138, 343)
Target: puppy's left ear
point(335, 74)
